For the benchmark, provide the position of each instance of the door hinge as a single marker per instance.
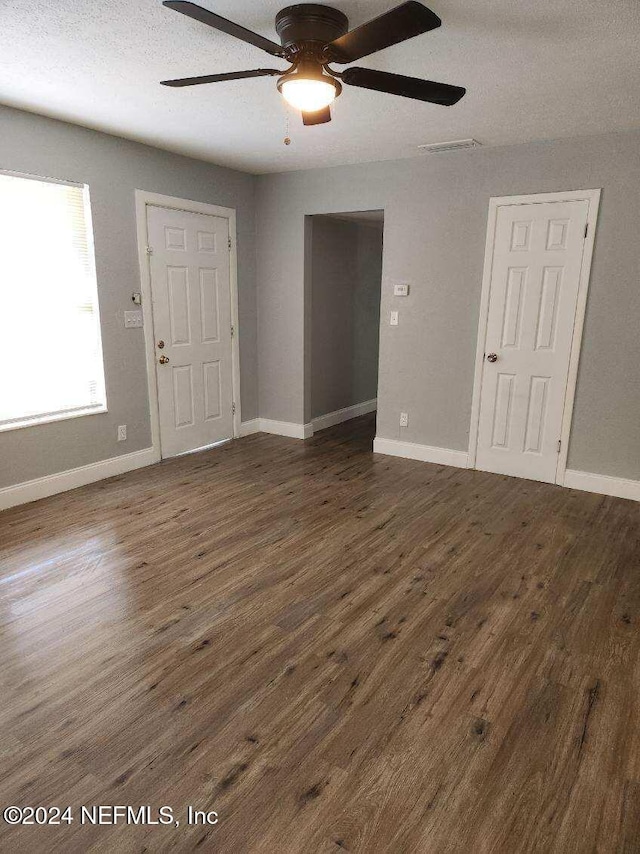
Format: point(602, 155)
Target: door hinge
point(559, 445)
point(233, 331)
point(233, 408)
point(149, 250)
point(229, 243)
point(586, 229)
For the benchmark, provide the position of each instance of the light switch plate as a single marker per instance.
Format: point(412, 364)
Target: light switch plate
point(394, 318)
point(132, 319)
point(401, 290)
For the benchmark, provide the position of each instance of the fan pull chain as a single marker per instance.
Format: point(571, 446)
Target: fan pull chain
point(287, 138)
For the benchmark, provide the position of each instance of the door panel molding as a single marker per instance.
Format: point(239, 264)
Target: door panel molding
point(143, 200)
point(592, 197)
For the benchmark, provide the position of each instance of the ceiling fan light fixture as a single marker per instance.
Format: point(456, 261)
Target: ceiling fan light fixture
point(308, 89)
point(308, 95)
point(313, 38)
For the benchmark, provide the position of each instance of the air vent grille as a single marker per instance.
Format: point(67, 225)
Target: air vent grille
point(453, 145)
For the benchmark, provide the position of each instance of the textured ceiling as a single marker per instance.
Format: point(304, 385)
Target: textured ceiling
point(533, 70)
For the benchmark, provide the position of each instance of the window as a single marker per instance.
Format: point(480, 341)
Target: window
point(50, 348)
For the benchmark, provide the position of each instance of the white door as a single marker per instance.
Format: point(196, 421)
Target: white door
point(191, 297)
point(535, 278)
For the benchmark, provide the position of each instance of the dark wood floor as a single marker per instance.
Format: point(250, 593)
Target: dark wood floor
point(334, 650)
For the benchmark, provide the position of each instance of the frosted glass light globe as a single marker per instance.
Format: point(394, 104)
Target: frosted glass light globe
point(308, 95)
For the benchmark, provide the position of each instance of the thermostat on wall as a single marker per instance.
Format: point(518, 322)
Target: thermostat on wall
point(401, 290)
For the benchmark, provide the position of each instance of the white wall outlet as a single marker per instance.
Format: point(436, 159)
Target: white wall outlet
point(132, 319)
point(122, 433)
point(401, 290)
point(394, 318)
point(404, 419)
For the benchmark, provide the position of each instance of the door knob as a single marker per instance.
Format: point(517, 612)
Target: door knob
point(492, 357)
point(163, 360)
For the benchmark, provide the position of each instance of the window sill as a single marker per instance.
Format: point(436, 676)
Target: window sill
point(55, 416)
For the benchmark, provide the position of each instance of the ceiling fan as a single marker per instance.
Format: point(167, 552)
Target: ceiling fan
point(312, 37)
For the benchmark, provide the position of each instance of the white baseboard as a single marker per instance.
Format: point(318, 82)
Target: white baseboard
point(42, 487)
point(603, 484)
point(247, 428)
point(306, 431)
point(346, 414)
point(286, 428)
point(425, 453)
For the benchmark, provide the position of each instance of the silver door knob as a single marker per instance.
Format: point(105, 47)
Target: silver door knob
point(492, 357)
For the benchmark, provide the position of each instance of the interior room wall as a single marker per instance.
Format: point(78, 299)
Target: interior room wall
point(435, 227)
point(113, 168)
point(367, 309)
point(346, 273)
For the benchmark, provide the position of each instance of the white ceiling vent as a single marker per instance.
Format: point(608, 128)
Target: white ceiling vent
point(453, 145)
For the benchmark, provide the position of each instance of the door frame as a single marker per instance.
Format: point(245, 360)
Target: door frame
point(143, 200)
point(593, 199)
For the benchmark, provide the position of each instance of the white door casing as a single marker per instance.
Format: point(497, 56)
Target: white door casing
point(192, 314)
point(536, 275)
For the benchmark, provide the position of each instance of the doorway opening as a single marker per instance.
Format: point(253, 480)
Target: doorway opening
point(344, 282)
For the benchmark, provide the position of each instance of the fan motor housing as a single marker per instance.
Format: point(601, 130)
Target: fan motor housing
point(310, 22)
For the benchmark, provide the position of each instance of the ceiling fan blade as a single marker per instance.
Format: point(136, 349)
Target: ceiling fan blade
point(219, 23)
point(221, 78)
point(407, 87)
point(318, 117)
point(402, 23)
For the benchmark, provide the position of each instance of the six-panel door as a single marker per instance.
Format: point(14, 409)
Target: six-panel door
point(190, 283)
point(535, 279)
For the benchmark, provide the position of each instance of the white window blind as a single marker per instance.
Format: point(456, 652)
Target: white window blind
point(50, 348)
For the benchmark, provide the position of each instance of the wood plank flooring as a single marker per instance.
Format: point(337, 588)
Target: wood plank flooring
point(336, 651)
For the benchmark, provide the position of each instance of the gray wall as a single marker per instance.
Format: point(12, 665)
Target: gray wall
point(346, 274)
point(435, 224)
point(113, 168)
point(435, 227)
